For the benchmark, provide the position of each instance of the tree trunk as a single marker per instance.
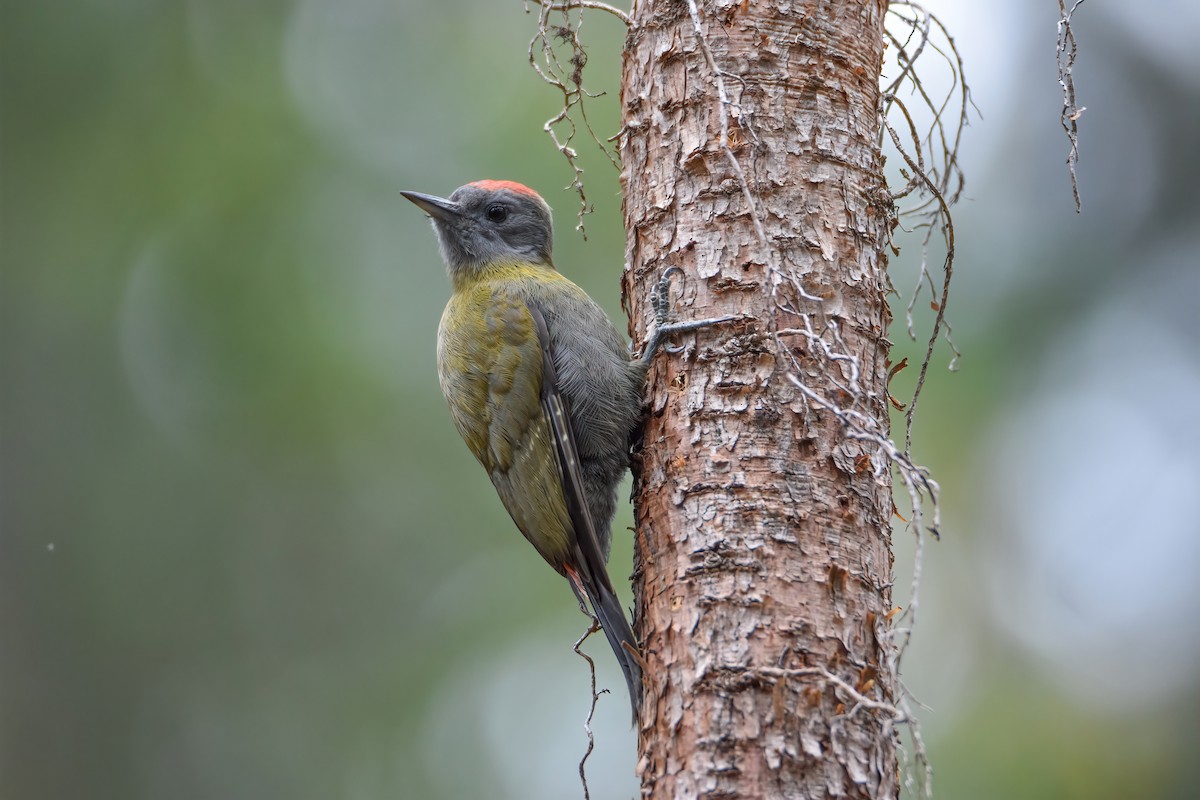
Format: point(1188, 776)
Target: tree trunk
point(763, 548)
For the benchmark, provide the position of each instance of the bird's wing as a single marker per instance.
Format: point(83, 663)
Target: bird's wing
point(554, 406)
point(492, 366)
point(585, 569)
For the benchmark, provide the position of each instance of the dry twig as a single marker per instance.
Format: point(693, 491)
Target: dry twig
point(567, 78)
point(1071, 109)
point(587, 723)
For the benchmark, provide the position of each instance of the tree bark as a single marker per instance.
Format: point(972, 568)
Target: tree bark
point(763, 566)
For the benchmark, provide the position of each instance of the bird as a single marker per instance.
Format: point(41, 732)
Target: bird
point(541, 387)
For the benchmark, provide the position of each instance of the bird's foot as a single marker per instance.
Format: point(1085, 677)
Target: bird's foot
point(660, 299)
point(660, 296)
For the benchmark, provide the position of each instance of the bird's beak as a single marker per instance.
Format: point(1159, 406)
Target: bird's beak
point(437, 207)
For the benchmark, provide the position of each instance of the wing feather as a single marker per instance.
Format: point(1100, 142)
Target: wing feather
point(554, 405)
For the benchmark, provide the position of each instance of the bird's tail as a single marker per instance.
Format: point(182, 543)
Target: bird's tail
point(620, 636)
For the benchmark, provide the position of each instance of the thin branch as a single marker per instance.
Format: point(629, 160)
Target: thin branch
point(568, 80)
point(616, 12)
point(861, 700)
point(942, 170)
point(587, 723)
point(1072, 111)
point(947, 268)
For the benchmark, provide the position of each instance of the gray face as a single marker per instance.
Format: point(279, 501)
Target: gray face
point(481, 225)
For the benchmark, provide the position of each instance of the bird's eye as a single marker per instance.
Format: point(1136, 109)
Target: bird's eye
point(497, 213)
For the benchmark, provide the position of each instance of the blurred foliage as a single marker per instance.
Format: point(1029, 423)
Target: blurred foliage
point(243, 553)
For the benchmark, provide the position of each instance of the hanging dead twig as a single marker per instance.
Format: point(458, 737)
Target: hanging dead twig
point(1071, 110)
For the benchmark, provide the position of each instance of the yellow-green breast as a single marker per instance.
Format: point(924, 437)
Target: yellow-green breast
point(490, 370)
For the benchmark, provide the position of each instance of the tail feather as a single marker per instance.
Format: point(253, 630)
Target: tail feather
point(620, 636)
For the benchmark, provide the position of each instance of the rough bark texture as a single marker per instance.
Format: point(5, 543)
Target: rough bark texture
point(763, 544)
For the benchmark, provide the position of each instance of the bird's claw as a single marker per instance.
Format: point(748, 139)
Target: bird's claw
point(660, 299)
point(660, 295)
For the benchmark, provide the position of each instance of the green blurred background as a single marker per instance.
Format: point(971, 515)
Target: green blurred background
point(245, 555)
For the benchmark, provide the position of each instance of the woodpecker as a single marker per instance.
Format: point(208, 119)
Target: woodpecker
point(541, 386)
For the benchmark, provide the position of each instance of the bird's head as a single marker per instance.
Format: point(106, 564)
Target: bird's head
point(486, 223)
